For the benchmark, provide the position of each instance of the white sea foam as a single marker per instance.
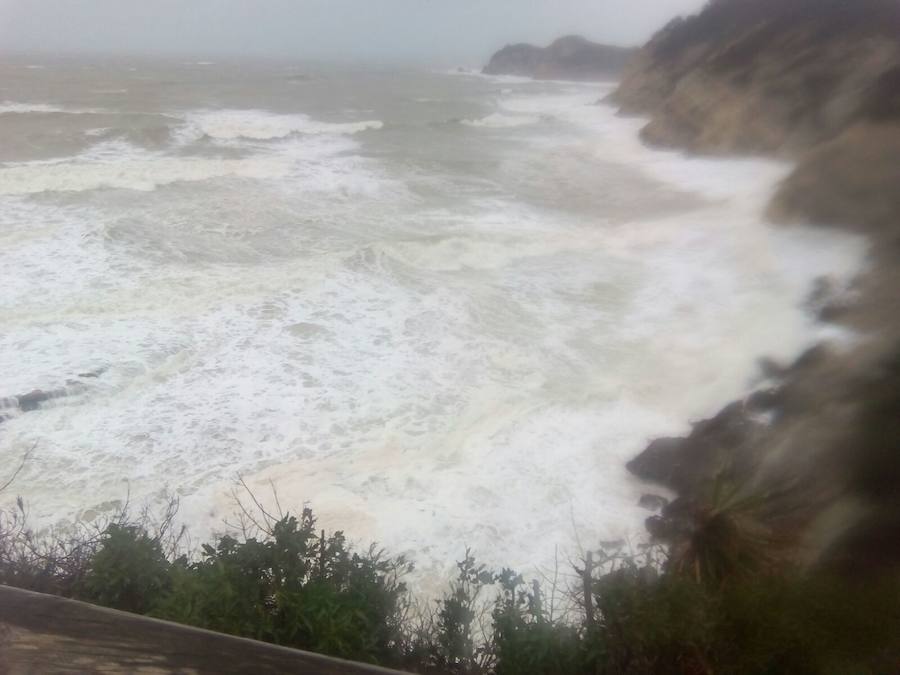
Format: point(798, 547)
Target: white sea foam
point(133, 170)
point(312, 162)
point(616, 139)
point(501, 121)
point(499, 79)
point(24, 108)
point(411, 343)
point(13, 107)
point(230, 125)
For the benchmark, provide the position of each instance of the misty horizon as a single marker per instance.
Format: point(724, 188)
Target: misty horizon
point(388, 32)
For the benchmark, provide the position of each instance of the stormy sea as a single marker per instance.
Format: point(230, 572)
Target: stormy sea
point(442, 309)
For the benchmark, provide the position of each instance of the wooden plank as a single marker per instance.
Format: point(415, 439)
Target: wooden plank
point(44, 634)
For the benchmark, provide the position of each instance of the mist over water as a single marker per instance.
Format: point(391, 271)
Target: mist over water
point(443, 309)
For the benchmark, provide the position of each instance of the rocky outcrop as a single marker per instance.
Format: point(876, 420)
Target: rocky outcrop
point(852, 181)
point(36, 398)
point(766, 76)
point(653, 502)
point(818, 82)
point(569, 58)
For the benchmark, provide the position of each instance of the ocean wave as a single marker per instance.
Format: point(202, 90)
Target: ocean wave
point(462, 329)
point(143, 172)
point(314, 163)
point(499, 79)
point(24, 108)
point(501, 121)
point(260, 125)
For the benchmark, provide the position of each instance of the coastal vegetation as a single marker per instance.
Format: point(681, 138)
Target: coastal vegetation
point(716, 602)
point(780, 553)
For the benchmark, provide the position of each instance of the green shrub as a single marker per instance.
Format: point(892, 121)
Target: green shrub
point(129, 571)
point(458, 641)
point(650, 623)
point(287, 583)
point(294, 588)
point(525, 640)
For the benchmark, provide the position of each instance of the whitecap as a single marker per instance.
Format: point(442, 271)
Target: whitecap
point(260, 125)
point(501, 121)
point(118, 164)
point(24, 108)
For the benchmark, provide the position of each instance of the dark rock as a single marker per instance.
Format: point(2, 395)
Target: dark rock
point(683, 464)
point(816, 81)
point(770, 368)
point(881, 102)
point(764, 400)
point(653, 502)
point(833, 311)
point(33, 399)
point(658, 461)
point(767, 76)
point(850, 181)
point(569, 58)
point(728, 428)
point(811, 358)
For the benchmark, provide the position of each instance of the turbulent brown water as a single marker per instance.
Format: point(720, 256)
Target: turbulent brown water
point(443, 309)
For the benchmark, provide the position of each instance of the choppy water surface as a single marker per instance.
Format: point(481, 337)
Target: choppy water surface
point(441, 308)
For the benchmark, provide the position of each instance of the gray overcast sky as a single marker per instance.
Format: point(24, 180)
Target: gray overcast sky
point(433, 31)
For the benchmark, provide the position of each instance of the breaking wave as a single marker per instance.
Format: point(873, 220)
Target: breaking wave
point(501, 121)
point(260, 125)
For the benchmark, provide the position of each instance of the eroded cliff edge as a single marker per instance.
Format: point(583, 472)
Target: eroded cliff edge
point(816, 81)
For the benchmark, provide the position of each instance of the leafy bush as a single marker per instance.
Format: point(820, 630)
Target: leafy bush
point(294, 588)
point(283, 581)
point(525, 639)
point(814, 624)
point(128, 571)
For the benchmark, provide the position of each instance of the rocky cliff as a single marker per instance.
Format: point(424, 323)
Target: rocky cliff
point(766, 76)
point(818, 82)
point(569, 58)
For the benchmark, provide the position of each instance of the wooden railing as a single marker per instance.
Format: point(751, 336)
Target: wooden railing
point(44, 634)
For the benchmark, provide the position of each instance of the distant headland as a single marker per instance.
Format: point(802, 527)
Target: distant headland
point(568, 58)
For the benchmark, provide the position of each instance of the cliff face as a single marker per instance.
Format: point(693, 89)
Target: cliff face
point(569, 58)
point(817, 81)
point(766, 76)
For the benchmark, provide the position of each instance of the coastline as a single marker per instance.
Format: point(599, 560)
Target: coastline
point(817, 443)
point(344, 509)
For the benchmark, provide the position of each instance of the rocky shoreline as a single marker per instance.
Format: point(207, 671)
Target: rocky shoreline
point(818, 82)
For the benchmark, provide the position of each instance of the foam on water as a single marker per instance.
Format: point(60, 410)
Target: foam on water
point(278, 296)
point(20, 108)
point(122, 165)
point(262, 125)
point(140, 172)
point(500, 121)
